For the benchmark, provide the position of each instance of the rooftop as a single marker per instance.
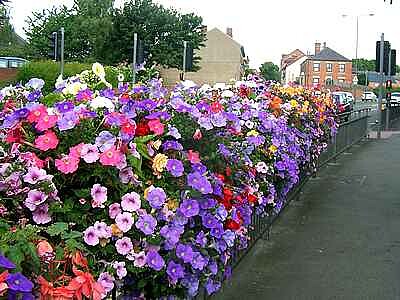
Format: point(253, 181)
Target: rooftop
point(327, 54)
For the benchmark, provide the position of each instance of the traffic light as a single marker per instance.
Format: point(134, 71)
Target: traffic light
point(389, 84)
point(393, 62)
point(189, 58)
point(53, 53)
point(386, 53)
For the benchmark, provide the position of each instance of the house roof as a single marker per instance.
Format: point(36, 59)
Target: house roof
point(327, 54)
point(292, 57)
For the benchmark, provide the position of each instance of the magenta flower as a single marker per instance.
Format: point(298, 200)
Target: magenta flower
point(131, 202)
point(114, 210)
point(102, 230)
point(120, 268)
point(124, 221)
point(41, 214)
point(90, 237)
point(124, 246)
point(99, 195)
point(139, 259)
point(34, 175)
point(34, 199)
point(106, 281)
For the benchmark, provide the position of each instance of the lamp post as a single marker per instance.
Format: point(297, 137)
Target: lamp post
point(357, 37)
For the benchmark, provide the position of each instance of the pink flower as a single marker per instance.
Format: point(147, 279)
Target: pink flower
point(103, 231)
point(156, 126)
point(197, 135)
point(114, 210)
point(90, 237)
point(140, 259)
point(76, 151)
point(99, 195)
point(110, 157)
point(90, 153)
point(46, 121)
point(131, 202)
point(67, 164)
point(121, 270)
point(193, 157)
point(124, 246)
point(46, 141)
point(124, 221)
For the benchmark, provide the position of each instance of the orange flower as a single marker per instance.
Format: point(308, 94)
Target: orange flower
point(275, 104)
point(43, 248)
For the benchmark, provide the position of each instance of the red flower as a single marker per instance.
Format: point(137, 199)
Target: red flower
point(252, 198)
point(216, 107)
point(231, 224)
point(128, 128)
point(14, 136)
point(228, 194)
point(142, 129)
point(226, 203)
point(228, 171)
point(221, 177)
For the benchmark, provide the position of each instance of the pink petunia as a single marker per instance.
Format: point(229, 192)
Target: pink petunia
point(37, 113)
point(90, 153)
point(47, 141)
point(46, 121)
point(156, 126)
point(193, 157)
point(76, 151)
point(99, 195)
point(131, 202)
point(110, 157)
point(67, 164)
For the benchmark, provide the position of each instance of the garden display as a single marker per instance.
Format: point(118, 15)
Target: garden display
point(141, 189)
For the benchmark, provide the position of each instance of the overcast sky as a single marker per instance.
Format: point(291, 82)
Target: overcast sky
point(269, 28)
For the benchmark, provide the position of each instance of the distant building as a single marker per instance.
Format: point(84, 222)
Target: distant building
point(222, 59)
point(291, 66)
point(326, 67)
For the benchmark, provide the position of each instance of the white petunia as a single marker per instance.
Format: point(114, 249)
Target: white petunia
point(100, 102)
point(98, 70)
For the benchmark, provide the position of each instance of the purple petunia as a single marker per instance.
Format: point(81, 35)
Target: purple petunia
point(175, 271)
point(41, 214)
point(146, 223)
point(172, 145)
point(154, 260)
point(67, 121)
point(5, 263)
point(90, 236)
point(156, 197)
point(199, 182)
point(64, 107)
point(105, 140)
point(184, 252)
point(190, 208)
point(209, 221)
point(175, 167)
point(19, 283)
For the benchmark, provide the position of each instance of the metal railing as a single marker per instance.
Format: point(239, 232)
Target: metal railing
point(349, 132)
point(394, 114)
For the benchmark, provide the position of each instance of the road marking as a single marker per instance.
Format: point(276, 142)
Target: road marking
point(363, 180)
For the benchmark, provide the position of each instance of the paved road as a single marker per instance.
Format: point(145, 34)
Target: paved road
point(340, 241)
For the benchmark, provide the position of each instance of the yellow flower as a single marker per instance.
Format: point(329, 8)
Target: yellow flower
point(172, 204)
point(98, 70)
point(147, 190)
point(293, 103)
point(252, 133)
point(159, 162)
point(116, 231)
point(306, 103)
point(156, 145)
point(272, 148)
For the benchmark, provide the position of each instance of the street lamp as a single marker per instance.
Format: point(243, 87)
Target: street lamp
point(357, 18)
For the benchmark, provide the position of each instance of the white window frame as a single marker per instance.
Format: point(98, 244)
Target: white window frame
point(342, 66)
point(316, 67)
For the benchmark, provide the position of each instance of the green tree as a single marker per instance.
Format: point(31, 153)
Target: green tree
point(364, 64)
point(10, 43)
point(87, 25)
point(270, 71)
point(162, 31)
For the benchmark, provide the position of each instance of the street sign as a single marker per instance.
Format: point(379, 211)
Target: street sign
point(355, 79)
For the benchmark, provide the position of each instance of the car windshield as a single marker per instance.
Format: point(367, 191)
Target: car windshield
point(396, 94)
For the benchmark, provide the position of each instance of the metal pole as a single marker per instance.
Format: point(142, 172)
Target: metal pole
point(388, 100)
point(55, 34)
point(135, 40)
point(62, 52)
point(380, 86)
point(184, 58)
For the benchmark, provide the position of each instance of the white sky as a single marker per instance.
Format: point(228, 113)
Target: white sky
point(269, 28)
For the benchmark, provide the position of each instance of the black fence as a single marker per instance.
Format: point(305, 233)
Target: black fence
point(350, 132)
point(394, 114)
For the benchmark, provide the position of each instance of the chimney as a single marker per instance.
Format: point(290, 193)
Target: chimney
point(324, 45)
point(317, 48)
point(229, 31)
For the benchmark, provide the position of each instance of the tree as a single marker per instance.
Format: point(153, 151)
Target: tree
point(162, 31)
point(87, 26)
point(3, 2)
point(270, 71)
point(10, 43)
point(364, 64)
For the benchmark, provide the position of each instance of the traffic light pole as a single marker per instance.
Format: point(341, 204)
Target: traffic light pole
point(135, 42)
point(184, 58)
point(388, 99)
point(380, 85)
point(62, 52)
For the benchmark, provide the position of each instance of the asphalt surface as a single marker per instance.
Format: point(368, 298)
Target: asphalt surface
point(341, 240)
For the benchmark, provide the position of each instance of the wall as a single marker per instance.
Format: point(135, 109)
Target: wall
point(8, 74)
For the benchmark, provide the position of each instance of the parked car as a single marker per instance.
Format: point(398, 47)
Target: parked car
point(395, 99)
point(350, 97)
point(344, 105)
point(369, 96)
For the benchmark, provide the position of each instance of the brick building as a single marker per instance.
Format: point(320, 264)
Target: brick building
point(291, 66)
point(326, 67)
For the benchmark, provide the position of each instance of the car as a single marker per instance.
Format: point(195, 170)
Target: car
point(369, 96)
point(11, 62)
point(350, 97)
point(395, 98)
point(344, 105)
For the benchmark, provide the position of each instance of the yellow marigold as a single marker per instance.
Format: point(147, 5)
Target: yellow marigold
point(293, 103)
point(252, 133)
point(272, 148)
point(159, 162)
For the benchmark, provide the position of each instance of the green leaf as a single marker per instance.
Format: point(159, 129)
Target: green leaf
point(71, 235)
point(16, 256)
point(82, 193)
point(59, 253)
point(142, 149)
point(136, 164)
point(143, 139)
point(73, 245)
point(57, 228)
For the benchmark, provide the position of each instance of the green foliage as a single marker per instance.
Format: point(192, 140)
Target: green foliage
point(364, 64)
point(162, 30)
point(270, 71)
point(10, 43)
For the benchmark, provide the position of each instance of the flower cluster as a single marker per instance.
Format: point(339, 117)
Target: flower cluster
point(157, 187)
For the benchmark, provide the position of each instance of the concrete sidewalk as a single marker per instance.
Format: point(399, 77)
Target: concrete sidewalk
point(340, 241)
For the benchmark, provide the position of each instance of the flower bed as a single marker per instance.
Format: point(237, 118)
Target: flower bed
point(144, 189)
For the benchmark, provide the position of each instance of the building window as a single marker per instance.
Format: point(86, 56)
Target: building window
point(315, 80)
point(342, 68)
point(316, 67)
point(329, 80)
point(328, 67)
point(341, 80)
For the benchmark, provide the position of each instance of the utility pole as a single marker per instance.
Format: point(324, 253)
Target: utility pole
point(380, 85)
point(388, 99)
point(62, 52)
point(184, 59)
point(135, 42)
